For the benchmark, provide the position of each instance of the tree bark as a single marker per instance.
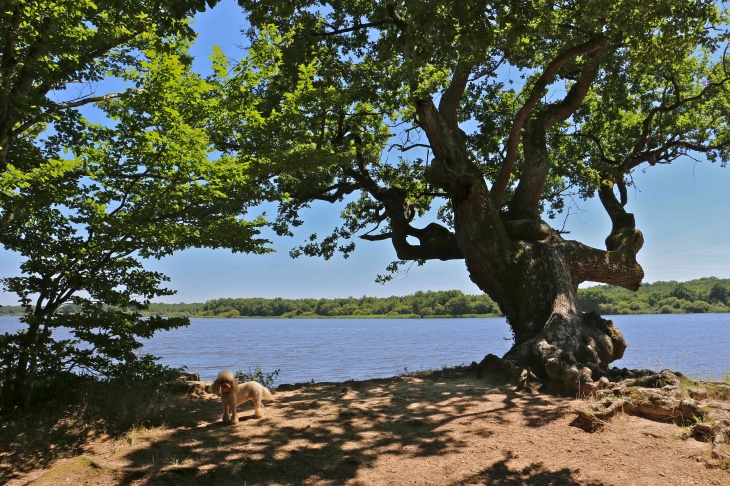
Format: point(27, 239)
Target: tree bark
point(527, 267)
point(537, 291)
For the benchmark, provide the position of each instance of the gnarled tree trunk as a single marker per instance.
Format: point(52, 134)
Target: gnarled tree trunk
point(517, 259)
point(534, 276)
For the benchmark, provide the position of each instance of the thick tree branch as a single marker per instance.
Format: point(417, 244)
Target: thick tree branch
point(526, 201)
point(512, 144)
point(451, 98)
point(618, 265)
point(377, 237)
point(436, 242)
point(562, 110)
point(620, 219)
point(353, 28)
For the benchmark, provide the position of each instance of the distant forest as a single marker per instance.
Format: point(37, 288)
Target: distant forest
point(696, 296)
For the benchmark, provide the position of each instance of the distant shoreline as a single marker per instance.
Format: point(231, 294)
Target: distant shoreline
point(709, 295)
point(376, 316)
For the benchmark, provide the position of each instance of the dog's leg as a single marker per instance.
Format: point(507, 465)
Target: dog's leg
point(224, 417)
point(259, 408)
point(234, 416)
point(229, 408)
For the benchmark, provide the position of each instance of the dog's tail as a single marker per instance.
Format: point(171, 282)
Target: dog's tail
point(266, 394)
point(224, 383)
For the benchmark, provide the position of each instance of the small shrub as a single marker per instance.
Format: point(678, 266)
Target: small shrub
point(639, 307)
point(609, 309)
point(258, 375)
point(425, 311)
point(623, 308)
point(697, 307)
point(671, 301)
point(721, 308)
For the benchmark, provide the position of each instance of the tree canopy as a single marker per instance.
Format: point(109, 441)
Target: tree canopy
point(603, 86)
point(50, 46)
point(84, 203)
point(460, 124)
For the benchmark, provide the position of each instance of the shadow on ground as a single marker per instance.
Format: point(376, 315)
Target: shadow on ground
point(66, 426)
point(500, 474)
point(330, 432)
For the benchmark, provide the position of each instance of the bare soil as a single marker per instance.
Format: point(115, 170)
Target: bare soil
point(441, 428)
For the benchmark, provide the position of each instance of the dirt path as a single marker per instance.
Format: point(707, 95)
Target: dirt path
point(444, 429)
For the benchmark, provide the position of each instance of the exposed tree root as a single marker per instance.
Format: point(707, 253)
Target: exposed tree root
point(659, 397)
point(522, 377)
point(654, 396)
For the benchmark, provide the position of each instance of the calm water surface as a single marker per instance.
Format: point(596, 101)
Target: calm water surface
point(341, 349)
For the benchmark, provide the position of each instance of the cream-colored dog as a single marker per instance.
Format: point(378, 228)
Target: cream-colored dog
point(232, 394)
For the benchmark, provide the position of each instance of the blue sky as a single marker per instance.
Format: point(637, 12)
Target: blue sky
point(683, 210)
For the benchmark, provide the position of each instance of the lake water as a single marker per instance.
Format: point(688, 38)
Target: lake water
point(341, 349)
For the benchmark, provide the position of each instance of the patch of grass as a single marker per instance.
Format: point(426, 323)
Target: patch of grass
point(84, 409)
point(417, 373)
point(719, 390)
point(176, 461)
point(79, 468)
point(685, 382)
point(445, 370)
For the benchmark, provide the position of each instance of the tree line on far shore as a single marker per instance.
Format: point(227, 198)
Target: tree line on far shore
point(696, 296)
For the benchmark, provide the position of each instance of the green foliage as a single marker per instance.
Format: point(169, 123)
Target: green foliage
point(65, 199)
point(671, 297)
point(50, 45)
point(424, 304)
point(267, 379)
point(653, 298)
point(719, 294)
point(142, 187)
point(660, 92)
point(680, 291)
point(85, 203)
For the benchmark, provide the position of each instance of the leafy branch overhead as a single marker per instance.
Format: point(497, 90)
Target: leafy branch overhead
point(86, 203)
point(612, 85)
point(450, 128)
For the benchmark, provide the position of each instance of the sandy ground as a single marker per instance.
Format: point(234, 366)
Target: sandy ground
point(447, 428)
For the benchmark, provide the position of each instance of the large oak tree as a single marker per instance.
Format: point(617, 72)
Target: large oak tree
point(517, 105)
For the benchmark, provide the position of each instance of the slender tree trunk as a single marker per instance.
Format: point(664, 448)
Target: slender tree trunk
point(17, 385)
